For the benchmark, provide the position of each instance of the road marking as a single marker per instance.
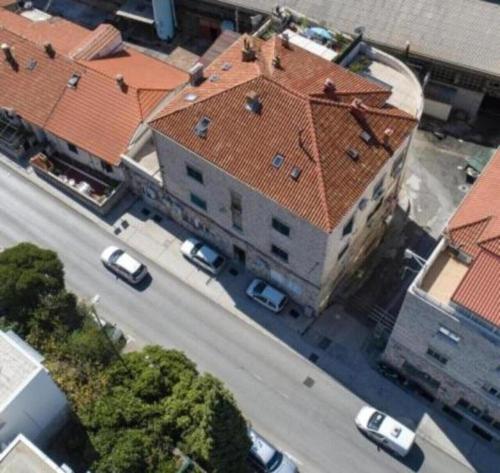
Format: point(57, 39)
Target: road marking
point(256, 376)
point(286, 396)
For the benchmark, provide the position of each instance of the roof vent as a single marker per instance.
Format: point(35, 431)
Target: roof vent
point(214, 78)
point(353, 154)
point(196, 74)
point(388, 132)
point(120, 82)
point(190, 97)
point(32, 63)
point(329, 86)
point(9, 55)
point(277, 62)
point(358, 109)
point(73, 80)
point(252, 102)
point(226, 66)
point(201, 128)
point(366, 137)
point(248, 51)
point(49, 49)
point(295, 174)
point(278, 161)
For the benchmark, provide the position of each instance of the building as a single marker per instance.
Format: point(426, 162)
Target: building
point(288, 163)
point(81, 97)
point(30, 401)
point(447, 335)
point(23, 456)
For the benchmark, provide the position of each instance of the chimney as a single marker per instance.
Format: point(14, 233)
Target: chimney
point(388, 132)
point(277, 62)
point(358, 108)
point(9, 56)
point(49, 49)
point(196, 74)
point(120, 82)
point(252, 102)
point(285, 40)
point(247, 52)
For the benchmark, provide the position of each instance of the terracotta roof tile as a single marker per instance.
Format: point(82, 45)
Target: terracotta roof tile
point(312, 134)
point(102, 40)
point(475, 228)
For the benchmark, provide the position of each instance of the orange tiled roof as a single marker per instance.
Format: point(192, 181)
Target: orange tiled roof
point(97, 115)
point(475, 228)
point(311, 130)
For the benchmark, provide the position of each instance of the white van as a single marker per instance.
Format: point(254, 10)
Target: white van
point(385, 430)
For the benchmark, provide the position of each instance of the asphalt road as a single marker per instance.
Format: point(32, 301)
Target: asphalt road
point(314, 425)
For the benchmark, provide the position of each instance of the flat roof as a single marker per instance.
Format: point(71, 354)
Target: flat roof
point(16, 367)
point(443, 277)
point(461, 32)
point(23, 457)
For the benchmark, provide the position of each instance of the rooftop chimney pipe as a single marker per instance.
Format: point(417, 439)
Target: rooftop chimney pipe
point(9, 56)
point(49, 49)
point(388, 132)
point(196, 74)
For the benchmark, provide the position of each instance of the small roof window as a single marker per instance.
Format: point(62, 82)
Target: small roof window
point(201, 128)
point(278, 161)
point(226, 66)
point(73, 80)
point(366, 137)
point(353, 154)
point(295, 174)
point(190, 97)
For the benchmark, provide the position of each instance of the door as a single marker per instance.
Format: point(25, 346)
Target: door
point(239, 254)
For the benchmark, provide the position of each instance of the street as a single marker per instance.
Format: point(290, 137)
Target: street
point(313, 424)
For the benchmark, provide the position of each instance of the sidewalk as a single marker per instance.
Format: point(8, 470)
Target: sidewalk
point(336, 342)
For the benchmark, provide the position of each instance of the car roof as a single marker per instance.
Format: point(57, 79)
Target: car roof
point(397, 432)
point(261, 448)
point(128, 263)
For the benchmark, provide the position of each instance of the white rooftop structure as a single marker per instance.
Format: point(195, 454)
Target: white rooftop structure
point(22, 456)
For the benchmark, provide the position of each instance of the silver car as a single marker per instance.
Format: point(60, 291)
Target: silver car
point(124, 265)
point(267, 295)
point(203, 255)
point(264, 458)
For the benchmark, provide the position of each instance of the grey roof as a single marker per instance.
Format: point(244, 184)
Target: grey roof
point(23, 457)
point(461, 32)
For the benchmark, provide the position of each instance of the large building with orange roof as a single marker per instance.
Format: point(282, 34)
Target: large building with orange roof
point(81, 96)
point(285, 161)
point(447, 335)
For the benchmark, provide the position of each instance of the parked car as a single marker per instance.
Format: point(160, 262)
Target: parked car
point(203, 255)
point(385, 430)
point(267, 295)
point(264, 458)
point(123, 264)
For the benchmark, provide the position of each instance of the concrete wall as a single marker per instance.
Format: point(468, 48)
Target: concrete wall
point(439, 110)
point(38, 411)
point(472, 362)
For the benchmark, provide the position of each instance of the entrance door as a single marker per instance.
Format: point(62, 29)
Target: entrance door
point(239, 254)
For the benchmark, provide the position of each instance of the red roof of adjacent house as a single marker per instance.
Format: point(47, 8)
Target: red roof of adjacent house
point(475, 228)
point(97, 115)
point(310, 129)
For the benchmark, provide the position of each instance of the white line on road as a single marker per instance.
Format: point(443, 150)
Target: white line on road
point(256, 376)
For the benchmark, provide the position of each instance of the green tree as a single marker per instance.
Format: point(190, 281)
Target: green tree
point(27, 274)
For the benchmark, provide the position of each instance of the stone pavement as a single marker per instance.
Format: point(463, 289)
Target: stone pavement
point(336, 342)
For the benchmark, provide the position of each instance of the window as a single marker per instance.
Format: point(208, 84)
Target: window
point(278, 161)
point(236, 211)
point(194, 174)
point(379, 189)
point(198, 201)
point(72, 147)
point(375, 210)
point(448, 334)
point(106, 166)
point(281, 254)
point(342, 252)
point(491, 390)
point(437, 356)
point(348, 227)
point(280, 227)
point(397, 167)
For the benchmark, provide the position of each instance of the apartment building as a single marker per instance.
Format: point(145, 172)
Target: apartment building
point(80, 97)
point(287, 162)
point(447, 335)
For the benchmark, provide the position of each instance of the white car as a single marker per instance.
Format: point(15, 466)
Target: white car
point(264, 458)
point(267, 295)
point(385, 430)
point(203, 255)
point(123, 264)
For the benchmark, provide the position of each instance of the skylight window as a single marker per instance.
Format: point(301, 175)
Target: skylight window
point(353, 154)
point(226, 66)
point(190, 97)
point(278, 161)
point(366, 137)
point(73, 80)
point(201, 128)
point(295, 174)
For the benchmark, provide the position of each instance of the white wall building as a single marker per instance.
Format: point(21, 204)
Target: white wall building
point(30, 401)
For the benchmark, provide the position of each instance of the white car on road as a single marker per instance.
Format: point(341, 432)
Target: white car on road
point(264, 458)
point(385, 430)
point(123, 264)
point(267, 295)
point(203, 255)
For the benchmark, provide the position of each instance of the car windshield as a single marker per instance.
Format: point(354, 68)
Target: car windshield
point(197, 248)
point(218, 261)
point(376, 421)
point(115, 255)
point(275, 461)
point(260, 287)
point(136, 273)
